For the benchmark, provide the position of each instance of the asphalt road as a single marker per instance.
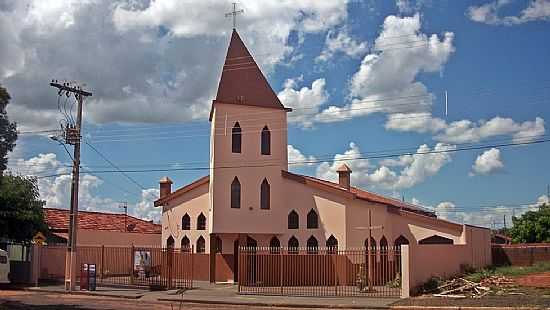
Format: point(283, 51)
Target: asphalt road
point(14, 299)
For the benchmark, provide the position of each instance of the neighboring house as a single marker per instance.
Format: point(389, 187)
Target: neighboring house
point(500, 239)
point(97, 228)
point(251, 199)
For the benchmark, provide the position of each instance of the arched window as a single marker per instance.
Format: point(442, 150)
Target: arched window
point(201, 222)
point(235, 193)
point(312, 219)
point(185, 245)
point(266, 141)
point(186, 222)
point(436, 239)
point(372, 243)
point(332, 245)
point(312, 245)
point(236, 138)
point(383, 244)
point(399, 241)
point(251, 242)
point(293, 245)
point(264, 195)
point(274, 245)
point(170, 242)
point(201, 245)
point(293, 220)
point(218, 244)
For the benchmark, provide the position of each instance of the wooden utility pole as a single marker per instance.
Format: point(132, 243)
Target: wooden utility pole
point(73, 136)
point(369, 248)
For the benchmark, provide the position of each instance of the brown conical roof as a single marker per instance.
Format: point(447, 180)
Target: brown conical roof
point(242, 81)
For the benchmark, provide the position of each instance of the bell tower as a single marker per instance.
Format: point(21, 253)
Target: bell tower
point(248, 148)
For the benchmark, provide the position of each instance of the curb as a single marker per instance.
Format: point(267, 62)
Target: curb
point(271, 304)
point(83, 293)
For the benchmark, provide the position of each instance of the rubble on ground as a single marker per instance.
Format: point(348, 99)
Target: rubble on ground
point(463, 288)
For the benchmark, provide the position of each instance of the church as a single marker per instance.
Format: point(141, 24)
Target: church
point(251, 199)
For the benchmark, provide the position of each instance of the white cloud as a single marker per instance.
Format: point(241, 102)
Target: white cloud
point(55, 190)
point(295, 156)
point(488, 162)
point(488, 13)
point(415, 168)
point(341, 42)
point(306, 101)
point(167, 62)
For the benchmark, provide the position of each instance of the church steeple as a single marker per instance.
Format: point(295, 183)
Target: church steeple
point(242, 81)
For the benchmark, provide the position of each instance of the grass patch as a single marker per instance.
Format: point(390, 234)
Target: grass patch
point(509, 271)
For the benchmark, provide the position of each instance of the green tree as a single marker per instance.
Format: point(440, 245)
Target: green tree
point(21, 214)
point(8, 130)
point(532, 227)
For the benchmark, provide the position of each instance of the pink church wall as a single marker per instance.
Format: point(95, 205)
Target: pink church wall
point(421, 262)
point(114, 238)
point(251, 120)
point(193, 203)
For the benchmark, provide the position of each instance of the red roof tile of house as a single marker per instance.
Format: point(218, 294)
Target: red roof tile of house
point(242, 81)
point(58, 221)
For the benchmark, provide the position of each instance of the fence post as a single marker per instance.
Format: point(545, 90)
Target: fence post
point(405, 271)
point(192, 266)
point(281, 269)
point(102, 262)
point(132, 265)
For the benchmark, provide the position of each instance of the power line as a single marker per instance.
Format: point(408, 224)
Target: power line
point(115, 166)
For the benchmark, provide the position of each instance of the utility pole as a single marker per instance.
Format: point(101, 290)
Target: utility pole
point(369, 249)
point(73, 135)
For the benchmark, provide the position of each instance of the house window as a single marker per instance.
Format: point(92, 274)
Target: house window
point(264, 195)
point(186, 222)
point(312, 245)
point(266, 141)
point(236, 193)
point(274, 245)
point(332, 245)
point(185, 244)
point(236, 138)
point(312, 219)
point(201, 245)
point(372, 244)
point(201, 222)
point(293, 220)
point(170, 242)
point(293, 245)
point(400, 241)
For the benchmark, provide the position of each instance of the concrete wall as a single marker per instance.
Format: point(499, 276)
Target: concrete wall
point(114, 238)
point(193, 203)
point(421, 262)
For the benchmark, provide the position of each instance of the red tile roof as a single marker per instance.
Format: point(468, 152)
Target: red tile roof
point(242, 81)
point(58, 221)
point(359, 193)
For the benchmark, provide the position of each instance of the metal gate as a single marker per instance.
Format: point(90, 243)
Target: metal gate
point(320, 271)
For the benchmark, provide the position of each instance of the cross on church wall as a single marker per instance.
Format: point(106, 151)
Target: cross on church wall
point(234, 14)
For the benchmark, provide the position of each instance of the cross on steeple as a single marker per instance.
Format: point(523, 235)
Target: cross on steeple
point(234, 14)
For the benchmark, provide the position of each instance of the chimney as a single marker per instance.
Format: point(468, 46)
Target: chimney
point(344, 176)
point(165, 186)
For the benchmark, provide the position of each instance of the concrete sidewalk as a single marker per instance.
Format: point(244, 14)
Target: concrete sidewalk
point(207, 293)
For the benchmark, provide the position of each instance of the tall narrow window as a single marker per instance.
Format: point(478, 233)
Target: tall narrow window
point(312, 245)
point(235, 193)
point(293, 220)
point(266, 141)
point(201, 245)
point(332, 245)
point(185, 244)
point(186, 222)
point(293, 245)
point(201, 222)
point(274, 245)
point(264, 195)
point(236, 138)
point(312, 219)
point(170, 242)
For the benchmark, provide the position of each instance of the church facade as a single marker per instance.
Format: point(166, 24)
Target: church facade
point(251, 199)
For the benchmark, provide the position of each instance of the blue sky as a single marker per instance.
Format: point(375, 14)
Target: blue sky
point(154, 72)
